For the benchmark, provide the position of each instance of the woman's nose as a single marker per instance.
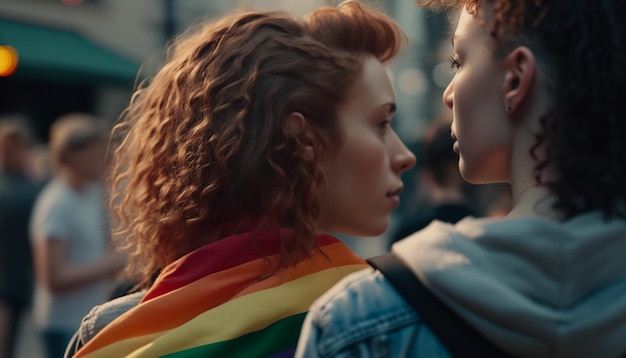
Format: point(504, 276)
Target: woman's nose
point(403, 159)
point(448, 94)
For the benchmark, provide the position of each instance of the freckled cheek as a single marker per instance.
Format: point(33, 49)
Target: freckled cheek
point(368, 165)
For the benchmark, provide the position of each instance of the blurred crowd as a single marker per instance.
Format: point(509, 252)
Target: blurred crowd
point(55, 263)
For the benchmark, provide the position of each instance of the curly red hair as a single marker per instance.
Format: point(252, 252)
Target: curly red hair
point(202, 142)
point(358, 29)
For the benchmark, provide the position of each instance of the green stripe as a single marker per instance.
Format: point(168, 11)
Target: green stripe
point(273, 339)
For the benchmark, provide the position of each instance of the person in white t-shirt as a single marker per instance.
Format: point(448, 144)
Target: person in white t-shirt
point(69, 232)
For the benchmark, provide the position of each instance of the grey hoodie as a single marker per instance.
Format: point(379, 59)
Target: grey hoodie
point(533, 286)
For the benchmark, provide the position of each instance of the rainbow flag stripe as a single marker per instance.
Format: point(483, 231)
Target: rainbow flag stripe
point(213, 302)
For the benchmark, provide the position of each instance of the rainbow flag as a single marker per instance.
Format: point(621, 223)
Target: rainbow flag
point(223, 300)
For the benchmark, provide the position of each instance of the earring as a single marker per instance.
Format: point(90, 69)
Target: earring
point(507, 107)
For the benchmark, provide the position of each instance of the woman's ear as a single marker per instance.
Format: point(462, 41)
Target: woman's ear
point(297, 127)
point(519, 76)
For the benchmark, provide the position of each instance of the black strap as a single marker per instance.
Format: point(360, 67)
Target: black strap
point(461, 339)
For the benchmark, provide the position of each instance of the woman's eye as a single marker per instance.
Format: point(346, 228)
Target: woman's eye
point(384, 125)
point(454, 63)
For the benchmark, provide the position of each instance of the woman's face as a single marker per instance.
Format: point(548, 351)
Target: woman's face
point(476, 96)
point(363, 177)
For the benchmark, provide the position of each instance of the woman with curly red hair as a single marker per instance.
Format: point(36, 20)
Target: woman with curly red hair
point(536, 102)
point(232, 167)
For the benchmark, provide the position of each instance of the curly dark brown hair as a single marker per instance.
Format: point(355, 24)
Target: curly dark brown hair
point(581, 47)
point(202, 144)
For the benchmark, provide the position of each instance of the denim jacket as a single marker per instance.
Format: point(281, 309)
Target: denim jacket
point(347, 323)
point(533, 286)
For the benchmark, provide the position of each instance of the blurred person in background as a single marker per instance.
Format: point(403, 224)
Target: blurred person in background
point(41, 163)
point(17, 195)
point(257, 139)
point(441, 182)
point(69, 232)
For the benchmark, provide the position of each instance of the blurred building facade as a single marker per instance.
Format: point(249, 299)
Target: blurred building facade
point(122, 35)
point(81, 57)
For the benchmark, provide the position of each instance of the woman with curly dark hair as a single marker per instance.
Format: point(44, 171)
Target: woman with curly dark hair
point(536, 102)
point(232, 167)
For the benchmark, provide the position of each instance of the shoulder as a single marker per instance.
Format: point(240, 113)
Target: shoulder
point(363, 304)
point(52, 211)
point(364, 316)
point(363, 287)
point(100, 316)
point(52, 196)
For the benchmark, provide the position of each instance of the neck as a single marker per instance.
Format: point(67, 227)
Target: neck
point(530, 198)
point(75, 180)
point(447, 195)
point(535, 201)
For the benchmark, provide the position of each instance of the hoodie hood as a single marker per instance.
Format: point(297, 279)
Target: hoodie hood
point(533, 286)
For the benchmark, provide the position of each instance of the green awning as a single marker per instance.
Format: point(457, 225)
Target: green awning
point(55, 55)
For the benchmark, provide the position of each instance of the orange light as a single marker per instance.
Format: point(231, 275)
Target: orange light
point(8, 60)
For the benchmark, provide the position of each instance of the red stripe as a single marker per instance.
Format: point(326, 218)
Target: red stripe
point(224, 254)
